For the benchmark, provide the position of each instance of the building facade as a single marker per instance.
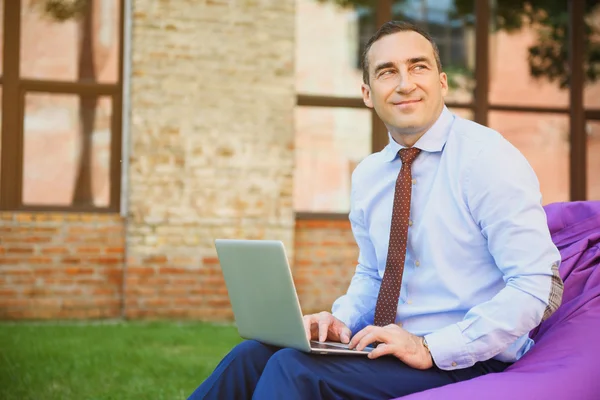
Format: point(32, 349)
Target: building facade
point(135, 132)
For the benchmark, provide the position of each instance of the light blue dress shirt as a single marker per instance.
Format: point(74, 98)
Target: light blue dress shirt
point(479, 263)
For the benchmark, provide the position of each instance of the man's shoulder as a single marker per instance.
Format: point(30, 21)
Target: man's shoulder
point(470, 138)
point(471, 132)
point(369, 166)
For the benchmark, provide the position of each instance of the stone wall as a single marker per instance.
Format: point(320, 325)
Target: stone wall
point(60, 265)
point(212, 100)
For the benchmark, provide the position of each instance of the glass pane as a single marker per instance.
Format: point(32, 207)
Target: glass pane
point(83, 47)
point(511, 41)
point(67, 150)
point(451, 25)
point(591, 91)
point(328, 47)
point(593, 160)
point(329, 143)
point(544, 141)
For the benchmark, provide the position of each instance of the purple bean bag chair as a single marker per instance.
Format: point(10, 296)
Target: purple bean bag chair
point(564, 363)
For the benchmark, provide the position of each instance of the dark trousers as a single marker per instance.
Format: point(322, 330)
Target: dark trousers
point(257, 371)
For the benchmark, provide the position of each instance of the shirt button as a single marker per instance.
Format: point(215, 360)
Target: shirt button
point(453, 364)
point(414, 181)
point(409, 302)
point(417, 263)
point(410, 223)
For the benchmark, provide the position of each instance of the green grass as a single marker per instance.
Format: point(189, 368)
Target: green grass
point(121, 360)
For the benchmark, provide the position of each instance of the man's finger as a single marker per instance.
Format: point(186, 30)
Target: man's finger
point(324, 323)
point(381, 350)
point(373, 336)
point(359, 335)
point(345, 334)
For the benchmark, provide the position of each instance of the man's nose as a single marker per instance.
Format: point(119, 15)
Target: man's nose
point(405, 84)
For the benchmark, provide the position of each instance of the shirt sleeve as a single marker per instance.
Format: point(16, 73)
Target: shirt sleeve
point(503, 196)
point(357, 307)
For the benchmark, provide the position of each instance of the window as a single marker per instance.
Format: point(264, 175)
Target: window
point(488, 49)
point(61, 135)
point(330, 142)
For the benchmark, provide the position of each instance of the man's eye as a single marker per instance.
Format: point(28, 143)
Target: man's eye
point(420, 67)
point(385, 73)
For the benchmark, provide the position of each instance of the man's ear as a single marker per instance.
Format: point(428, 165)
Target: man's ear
point(366, 92)
point(444, 83)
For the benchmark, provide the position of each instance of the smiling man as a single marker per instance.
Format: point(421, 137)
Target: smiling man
point(456, 262)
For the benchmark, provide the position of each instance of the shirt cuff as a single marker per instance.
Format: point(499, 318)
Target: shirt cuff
point(448, 348)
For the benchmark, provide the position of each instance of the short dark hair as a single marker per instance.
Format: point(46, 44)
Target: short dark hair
point(390, 28)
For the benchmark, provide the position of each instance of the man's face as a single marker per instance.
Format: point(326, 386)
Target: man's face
point(405, 87)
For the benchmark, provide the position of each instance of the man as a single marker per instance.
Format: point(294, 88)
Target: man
point(456, 262)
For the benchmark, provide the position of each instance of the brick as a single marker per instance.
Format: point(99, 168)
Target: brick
point(210, 261)
point(173, 291)
point(71, 260)
point(106, 260)
point(156, 259)
point(46, 272)
point(20, 250)
point(54, 250)
point(185, 281)
point(78, 271)
point(10, 272)
point(157, 302)
point(219, 302)
point(106, 302)
point(104, 291)
point(189, 301)
point(173, 270)
point(140, 271)
point(39, 260)
point(23, 280)
point(89, 250)
point(37, 239)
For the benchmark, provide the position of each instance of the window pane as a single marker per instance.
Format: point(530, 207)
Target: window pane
point(328, 39)
point(593, 160)
point(544, 141)
point(67, 150)
point(511, 80)
point(451, 25)
point(330, 142)
point(82, 48)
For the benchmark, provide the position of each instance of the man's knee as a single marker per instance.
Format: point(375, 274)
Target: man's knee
point(252, 349)
point(286, 361)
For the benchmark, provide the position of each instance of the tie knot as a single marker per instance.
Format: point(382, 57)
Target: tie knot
point(408, 155)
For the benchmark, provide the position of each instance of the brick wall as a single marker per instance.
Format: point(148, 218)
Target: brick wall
point(326, 256)
point(60, 265)
point(212, 100)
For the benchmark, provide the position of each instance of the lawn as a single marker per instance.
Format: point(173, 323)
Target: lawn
point(111, 360)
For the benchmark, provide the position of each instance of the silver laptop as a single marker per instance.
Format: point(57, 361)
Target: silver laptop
point(263, 296)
